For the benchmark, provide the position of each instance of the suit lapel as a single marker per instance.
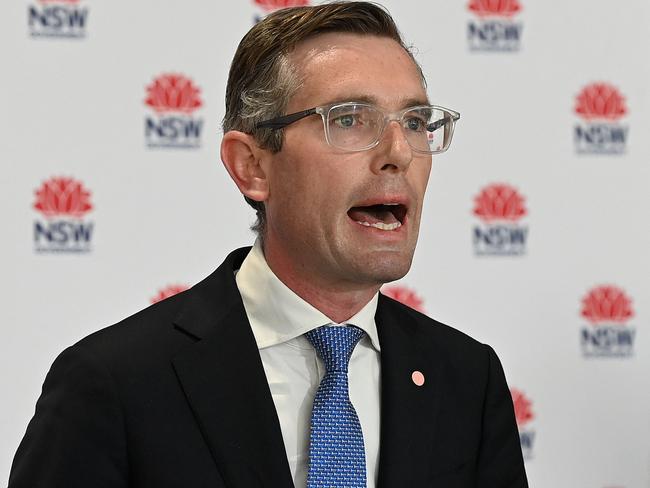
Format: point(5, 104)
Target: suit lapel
point(409, 413)
point(224, 382)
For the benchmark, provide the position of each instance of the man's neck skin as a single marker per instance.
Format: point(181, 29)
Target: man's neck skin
point(337, 301)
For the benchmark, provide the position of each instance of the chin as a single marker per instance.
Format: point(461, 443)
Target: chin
point(386, 269)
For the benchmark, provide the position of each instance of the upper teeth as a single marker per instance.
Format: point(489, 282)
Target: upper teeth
point(381, 225)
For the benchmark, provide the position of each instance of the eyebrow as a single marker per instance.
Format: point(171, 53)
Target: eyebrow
point(403, 102)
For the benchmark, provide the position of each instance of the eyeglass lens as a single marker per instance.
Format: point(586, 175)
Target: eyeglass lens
point(356, 127)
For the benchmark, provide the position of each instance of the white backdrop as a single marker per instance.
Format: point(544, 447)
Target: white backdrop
point(534, 238)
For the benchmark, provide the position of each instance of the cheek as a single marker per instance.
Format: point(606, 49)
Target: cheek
point(311, 184)
point(296, 193)
point(287, 199)
point(420, 177)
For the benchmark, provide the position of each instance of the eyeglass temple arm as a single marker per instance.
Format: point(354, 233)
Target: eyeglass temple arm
point(439, 123)
point(280, 122)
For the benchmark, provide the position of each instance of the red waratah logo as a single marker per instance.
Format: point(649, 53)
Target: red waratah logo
point(499, 202)
point(523, 407)
point(62, 196)
point(501, 8)
point(271, 5)
point(405, 295)
point(607, 303)
point(173, 93)
point(600, 101)
point(168, 291)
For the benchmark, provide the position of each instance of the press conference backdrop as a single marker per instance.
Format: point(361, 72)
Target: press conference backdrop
point(535, 236)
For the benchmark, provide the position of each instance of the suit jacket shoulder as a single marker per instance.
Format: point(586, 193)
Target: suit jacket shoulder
point(450, 345)
point(114, 408)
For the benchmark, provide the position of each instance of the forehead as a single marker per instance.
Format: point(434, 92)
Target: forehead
point(341, 66)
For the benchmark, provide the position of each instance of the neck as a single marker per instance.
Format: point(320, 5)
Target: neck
point(337, 300)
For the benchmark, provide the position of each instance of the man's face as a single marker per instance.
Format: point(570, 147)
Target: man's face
point(318, 195)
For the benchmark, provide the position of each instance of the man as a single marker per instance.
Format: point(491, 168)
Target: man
point(242, 381)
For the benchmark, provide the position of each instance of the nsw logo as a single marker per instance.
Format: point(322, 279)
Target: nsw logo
point(63, 203)
point(57, 18)
point(524, 416)
point(493, 27)
point(265, 7)
point(405, 295)
point(607, 309)
point(601, 106)
point(500, 207)
point(168, 291)
point(172, 100)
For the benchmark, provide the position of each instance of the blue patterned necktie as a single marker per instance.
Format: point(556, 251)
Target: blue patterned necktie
point(336, 454)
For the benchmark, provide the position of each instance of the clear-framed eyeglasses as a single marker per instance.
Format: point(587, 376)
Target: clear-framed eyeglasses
point(356, 126)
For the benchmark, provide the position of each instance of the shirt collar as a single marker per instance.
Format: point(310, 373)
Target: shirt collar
point(277, 314)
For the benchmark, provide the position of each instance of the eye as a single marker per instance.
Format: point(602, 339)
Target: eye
point(346, 121)
point(415, 124)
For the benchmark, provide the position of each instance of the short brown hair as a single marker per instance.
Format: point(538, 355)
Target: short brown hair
point(262, 80)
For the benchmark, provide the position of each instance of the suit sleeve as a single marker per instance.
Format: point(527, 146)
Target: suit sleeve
point(500, 463)
point(76, 437)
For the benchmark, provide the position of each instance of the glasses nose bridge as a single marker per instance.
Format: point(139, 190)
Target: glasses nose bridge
point(393, 117)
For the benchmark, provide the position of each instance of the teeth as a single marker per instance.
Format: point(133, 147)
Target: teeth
point(381, 225)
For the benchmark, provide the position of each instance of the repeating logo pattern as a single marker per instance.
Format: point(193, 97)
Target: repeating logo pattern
point(493, 27)
point(607, 309)
point(600, 106)
point(57, 18)
point(172, 99)
point(500, 207)
point(168, 291)
point(405, 295)
point(63, 202)
point(524, 416)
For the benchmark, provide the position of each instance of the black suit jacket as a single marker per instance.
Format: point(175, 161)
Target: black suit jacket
point(176, 396)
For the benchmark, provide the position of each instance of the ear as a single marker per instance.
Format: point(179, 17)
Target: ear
point(242, 157)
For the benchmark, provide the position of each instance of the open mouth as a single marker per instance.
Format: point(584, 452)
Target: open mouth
point(383, 216)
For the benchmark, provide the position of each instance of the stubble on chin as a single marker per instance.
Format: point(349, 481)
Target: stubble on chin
point(374, 268)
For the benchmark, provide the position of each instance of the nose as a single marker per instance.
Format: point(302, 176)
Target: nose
point(394, 153)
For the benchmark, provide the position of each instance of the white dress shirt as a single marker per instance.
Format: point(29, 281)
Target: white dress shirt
point(279, 318)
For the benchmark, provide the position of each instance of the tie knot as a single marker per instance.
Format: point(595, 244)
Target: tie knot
point(334, 344)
